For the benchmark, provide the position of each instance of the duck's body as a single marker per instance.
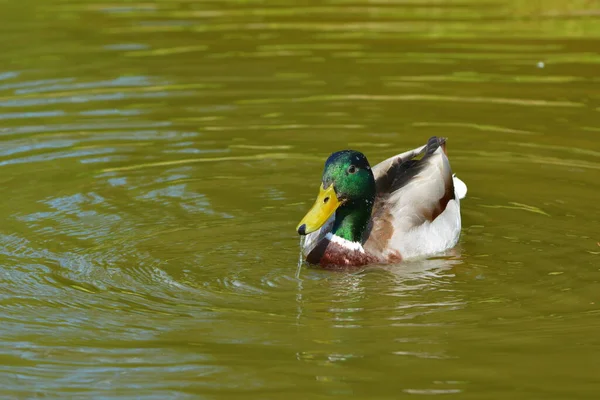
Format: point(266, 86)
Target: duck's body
point(405, 207)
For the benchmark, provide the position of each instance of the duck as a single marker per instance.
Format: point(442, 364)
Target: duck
point(406, 207)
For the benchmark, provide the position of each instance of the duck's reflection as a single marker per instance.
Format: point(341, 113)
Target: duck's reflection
point(392, 310)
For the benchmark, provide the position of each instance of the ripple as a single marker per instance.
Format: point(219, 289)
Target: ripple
point(485, 128)
point(32, 114)
point(166, 51)
point(419, 97)
point(70, 84)
point(265, 156)
point(432, 391)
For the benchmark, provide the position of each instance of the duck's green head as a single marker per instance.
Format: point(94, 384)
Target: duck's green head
point(348, 189)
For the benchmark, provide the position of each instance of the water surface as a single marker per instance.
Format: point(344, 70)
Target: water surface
point(155, 158)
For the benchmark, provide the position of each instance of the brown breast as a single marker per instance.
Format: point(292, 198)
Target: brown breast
point(329, 254)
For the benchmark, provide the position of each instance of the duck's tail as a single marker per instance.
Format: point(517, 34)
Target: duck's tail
point(460, 188)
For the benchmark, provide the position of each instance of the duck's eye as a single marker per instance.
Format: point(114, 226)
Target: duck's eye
point(352, 169)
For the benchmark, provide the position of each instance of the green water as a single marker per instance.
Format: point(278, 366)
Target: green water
point(155, 158)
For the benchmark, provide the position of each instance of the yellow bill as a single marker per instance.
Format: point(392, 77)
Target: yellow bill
point(326, 204)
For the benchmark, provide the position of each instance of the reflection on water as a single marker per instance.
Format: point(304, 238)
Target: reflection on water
point(155, 157)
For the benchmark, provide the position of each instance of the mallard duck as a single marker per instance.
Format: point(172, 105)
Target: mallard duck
point(405, 207)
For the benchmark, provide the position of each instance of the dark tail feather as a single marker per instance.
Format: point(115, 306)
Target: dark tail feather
point(433, 143)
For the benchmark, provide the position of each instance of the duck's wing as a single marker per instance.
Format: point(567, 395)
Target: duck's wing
point(416, 211)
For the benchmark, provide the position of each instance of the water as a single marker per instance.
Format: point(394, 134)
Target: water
point(156, 156)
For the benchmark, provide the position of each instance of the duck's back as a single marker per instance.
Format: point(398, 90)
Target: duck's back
point(417, 209)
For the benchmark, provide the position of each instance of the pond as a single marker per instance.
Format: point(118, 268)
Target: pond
point(156, 157)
